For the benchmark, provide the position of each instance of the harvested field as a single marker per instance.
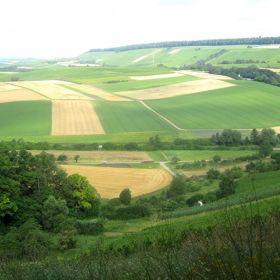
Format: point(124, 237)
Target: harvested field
point(53, 89)
point(97, 93)
point(276, 128)
point(177, 89)
point(268, 47)
point(174, 51)
point(19, 95)
point(101, 156)
point(75, 118)
point(7, 87)
point(145, 56)
point(109, 181)
point(155, 77)
point(204, 75)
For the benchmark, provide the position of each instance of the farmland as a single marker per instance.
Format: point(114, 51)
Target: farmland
point(247, 105)
point(109, 182)
point(26, 118)
point(128, 117)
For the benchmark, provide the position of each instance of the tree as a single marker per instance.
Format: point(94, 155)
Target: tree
point(226, 187)
point(62, 158)
point(125, 197)
point(213, 174)
point(80, 194)
point(216, 158)
point(265, 149)
point(177, 186)
point(54, 213)
point(76, 158)
point(255, 137)
point(175, 160)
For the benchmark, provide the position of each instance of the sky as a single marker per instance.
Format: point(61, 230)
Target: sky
point(65, 28)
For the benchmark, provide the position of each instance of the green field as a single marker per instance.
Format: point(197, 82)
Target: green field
point(247, 105)
point(193, 155)
point(27, 118)
point(128, 117)
point(87, 75)
point(135, 85)
point(189, 55)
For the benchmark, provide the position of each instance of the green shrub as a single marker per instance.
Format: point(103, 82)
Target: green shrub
point(132, 212)
point(89, 227)
point(67, 240)
point(194, 199)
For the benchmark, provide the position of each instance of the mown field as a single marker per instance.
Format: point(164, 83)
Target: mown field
point(26, 118)
point(247, 105)
point(119, 117)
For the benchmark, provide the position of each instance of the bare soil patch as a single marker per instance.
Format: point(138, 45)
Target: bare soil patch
point(101, 156)
point(174, 51)
point(204, 75)
point(75, 118)
point(53, 89)
point(96, 92)
point(109, 181)
point(177, 89)
point(155, 77)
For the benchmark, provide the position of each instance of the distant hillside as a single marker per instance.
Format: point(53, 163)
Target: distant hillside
point(211, 42)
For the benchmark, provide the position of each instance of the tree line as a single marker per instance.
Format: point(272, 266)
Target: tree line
point(211, 42)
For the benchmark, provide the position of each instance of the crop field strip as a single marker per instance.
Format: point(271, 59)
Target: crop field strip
point(53, 90)
point(19, 95)
point(179, 89)
point(120, 117)
point(100, 156)
point(25, 118)
point(247, 105)
point(73, 117)
point(109, 181)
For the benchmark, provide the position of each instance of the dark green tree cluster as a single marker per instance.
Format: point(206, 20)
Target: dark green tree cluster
point(34, 187)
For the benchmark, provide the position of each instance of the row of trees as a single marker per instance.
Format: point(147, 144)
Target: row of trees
point(210, 42)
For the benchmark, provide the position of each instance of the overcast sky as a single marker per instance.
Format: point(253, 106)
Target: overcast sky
point(62, 28)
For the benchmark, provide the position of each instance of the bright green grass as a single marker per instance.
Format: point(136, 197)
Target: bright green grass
point(206, 154)
point(116, 58)
point(266, 57)
point(128, 117)
point(135, 85)
point(137, 137)
point(246, 105)
point(86, 75)
point(25, 118)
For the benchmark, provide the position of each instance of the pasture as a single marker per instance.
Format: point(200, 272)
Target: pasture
point(109, 181)
point(246, 105)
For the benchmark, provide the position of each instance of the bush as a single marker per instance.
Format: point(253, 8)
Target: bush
point(213, 174)
point(132, 212)
point(177, 187)
point(89, 227)
point(194, 199)
point(67, 240)
point(125, 197)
